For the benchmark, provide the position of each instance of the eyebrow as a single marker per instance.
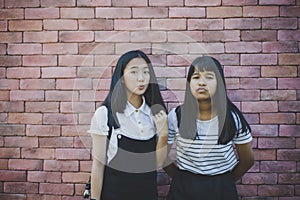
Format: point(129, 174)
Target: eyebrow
point(136, 67)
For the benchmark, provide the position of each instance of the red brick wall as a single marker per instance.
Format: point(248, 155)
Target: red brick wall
point(55, 58)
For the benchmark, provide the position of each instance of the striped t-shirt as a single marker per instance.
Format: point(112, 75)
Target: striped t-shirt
point(204, 155)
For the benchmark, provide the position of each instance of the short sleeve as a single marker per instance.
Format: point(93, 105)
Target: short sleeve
point(242, 137)
point(99, 122)
point(173, 128)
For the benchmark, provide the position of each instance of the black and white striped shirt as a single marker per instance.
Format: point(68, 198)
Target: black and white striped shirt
point(204, 155)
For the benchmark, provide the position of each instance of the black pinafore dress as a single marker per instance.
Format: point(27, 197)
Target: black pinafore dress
point(131, 174)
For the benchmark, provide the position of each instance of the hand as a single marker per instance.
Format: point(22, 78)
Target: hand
point(161, 123)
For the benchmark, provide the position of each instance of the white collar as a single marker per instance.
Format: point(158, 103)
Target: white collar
point(129, 109)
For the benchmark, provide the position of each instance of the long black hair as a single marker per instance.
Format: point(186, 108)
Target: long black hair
point(223, 106)
point(117, 98)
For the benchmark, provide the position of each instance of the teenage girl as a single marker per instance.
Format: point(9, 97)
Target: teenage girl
point(126, 131)
point(206, 126)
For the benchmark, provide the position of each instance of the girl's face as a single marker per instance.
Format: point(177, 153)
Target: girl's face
point(136, 77)
point(203, 84)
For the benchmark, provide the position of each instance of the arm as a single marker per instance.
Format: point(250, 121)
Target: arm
point(99, 160)
point(246, 160)
point(170, 166)
point(161, 122)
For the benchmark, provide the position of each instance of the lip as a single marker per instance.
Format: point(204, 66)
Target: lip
point(200, 90)
point(141, 87)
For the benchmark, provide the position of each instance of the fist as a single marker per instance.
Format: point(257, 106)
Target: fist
point(161, 122)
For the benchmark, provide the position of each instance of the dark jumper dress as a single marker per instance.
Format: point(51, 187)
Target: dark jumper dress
point(121, 182)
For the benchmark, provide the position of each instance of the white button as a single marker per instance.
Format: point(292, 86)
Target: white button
point(136, 110)
point(119, 136)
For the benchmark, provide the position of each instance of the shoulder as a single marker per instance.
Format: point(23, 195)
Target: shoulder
point(102, 110)
point(172, 119)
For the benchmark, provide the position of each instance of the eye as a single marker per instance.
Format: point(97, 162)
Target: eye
point(133, 72)
point(195, 77)
point(210, 77)
point(146, 72)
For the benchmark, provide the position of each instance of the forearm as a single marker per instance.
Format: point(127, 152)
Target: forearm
point(96, 180)
point(161, 150)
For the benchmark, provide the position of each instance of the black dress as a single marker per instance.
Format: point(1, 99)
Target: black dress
point(131, 174)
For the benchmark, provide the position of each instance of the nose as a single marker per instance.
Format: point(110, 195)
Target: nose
point(141, 76)
point(202, 81)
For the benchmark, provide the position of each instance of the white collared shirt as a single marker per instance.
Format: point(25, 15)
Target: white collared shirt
point(135, 123)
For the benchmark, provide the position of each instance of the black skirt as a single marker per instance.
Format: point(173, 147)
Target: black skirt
point(122, 179)
point(189, 186)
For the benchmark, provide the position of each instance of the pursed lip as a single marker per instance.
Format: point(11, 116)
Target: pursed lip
point(141, 87)
point(201, 89)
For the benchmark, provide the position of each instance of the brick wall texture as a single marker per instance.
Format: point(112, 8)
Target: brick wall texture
point(57, 58)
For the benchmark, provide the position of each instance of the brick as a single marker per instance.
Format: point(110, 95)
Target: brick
point(179, 12)
point(289, 59)
point(42, 107)
point(10, 153)
point(13, 130)
point(58, 189)
point(148, 36)
point(223, 12)
point(13, 196)
point(54, 95)
point(35, 84)
point(27, 95)
point(74, 84)
point(125, 47)
point(101, 84)
point(96, 48)
point(279, 23)
point(44, 177)
point(289, 130)
point(59, 72)
point(258, 59)
point(277, 118)
point(279, 71)
point(3, 26)
point(259, 35)
point(247, 190)
point(38, 153)
point(3, 117)
point(169, 48)
point(278, 143)
point(4, 95)
point(94, 3)
point(21, 164)
point(25, 118)
point(287, 106)
point(93, 95)
point(278, 95)
point(258, 83)
point(72, 154)
point(206, 48)
point(76, 36)
point(149, 12)
point(41, 60)
point(202, 2)
point(133, 3)
point(75, 60)
point(10, 37)
point(12, 175)
point(166, 3)
point(2, 50)
point(288, 178)
point(275, 190)
point(289, 83)
point(289, 35)
point(184, 36)
point(43, 197)
point(77, 107)
point(265, 154)
point(60, 24)
point(260, 106)
point(242, 71)
point(14, 49)
point(278, 166)
point(56, 165)
point(21, 3)
point(205, 24)
point(56, 142)
point(6, 106)
point(21, 187)
point(288, 154)
point(96, 24)
point(277, 2)
point(176, 84)
point(63, 3)
point(41, 37)
point(71, 177)
point(259, 178)
point(10, 84)
point(243, 95)
point(6, 14)
point(131, 24)
point(239, 2)
point(178, 60)
point(21, 72)
point(169, 72)
point(173, 96)
point(77, 13)
point(10, 61)
point(41, 13)
point(168, 24)
point(242, 23)
point(59, 118)
point(25, 25)
point(289, 11)
point(60, 48)
point(104, 63)
point(112, 36)
point(243, 47)
point(260, 11)
point(21, 141)
point(42, 130)
point(221, 36)
point(280, 47)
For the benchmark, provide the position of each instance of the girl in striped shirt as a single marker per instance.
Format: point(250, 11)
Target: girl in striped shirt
point(205, 128)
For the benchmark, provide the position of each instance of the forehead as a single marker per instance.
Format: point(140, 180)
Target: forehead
point(203, 71)
point(136, 62)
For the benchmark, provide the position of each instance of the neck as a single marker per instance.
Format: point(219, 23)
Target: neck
point(206, 112)
point(135, 100)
